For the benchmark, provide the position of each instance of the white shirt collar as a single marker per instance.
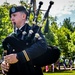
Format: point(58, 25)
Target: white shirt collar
point(19, 28)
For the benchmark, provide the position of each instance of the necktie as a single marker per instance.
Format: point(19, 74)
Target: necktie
point(18, 31)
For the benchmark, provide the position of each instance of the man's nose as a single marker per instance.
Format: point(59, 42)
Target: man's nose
point(12, 18)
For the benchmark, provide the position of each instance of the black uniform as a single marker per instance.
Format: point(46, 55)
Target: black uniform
point(30, 47)
point(33, 48)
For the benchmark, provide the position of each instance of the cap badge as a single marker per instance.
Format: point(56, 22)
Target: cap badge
point(13, 9)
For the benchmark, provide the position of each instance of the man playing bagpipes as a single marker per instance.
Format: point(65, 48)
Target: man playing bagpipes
point(26, 50)
point(18, 60)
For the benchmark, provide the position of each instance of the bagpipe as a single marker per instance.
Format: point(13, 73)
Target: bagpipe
point(50, 56)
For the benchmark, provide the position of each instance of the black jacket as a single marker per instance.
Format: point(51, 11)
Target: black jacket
point(33, 47)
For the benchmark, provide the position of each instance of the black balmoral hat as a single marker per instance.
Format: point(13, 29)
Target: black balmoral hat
point(15, 9)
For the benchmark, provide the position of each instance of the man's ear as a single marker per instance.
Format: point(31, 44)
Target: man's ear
point(24, 16)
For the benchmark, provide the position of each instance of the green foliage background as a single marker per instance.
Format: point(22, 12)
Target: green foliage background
point(62, 35)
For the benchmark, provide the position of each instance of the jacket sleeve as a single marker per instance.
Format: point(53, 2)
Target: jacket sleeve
point(34, 51)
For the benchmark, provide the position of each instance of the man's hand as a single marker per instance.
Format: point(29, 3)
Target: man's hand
point(5, 67)
point(11, 58)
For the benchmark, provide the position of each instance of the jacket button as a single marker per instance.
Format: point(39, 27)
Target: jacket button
point(26, 43)
point(13, 50)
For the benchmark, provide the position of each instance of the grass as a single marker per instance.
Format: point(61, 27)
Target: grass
point(68, 72)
